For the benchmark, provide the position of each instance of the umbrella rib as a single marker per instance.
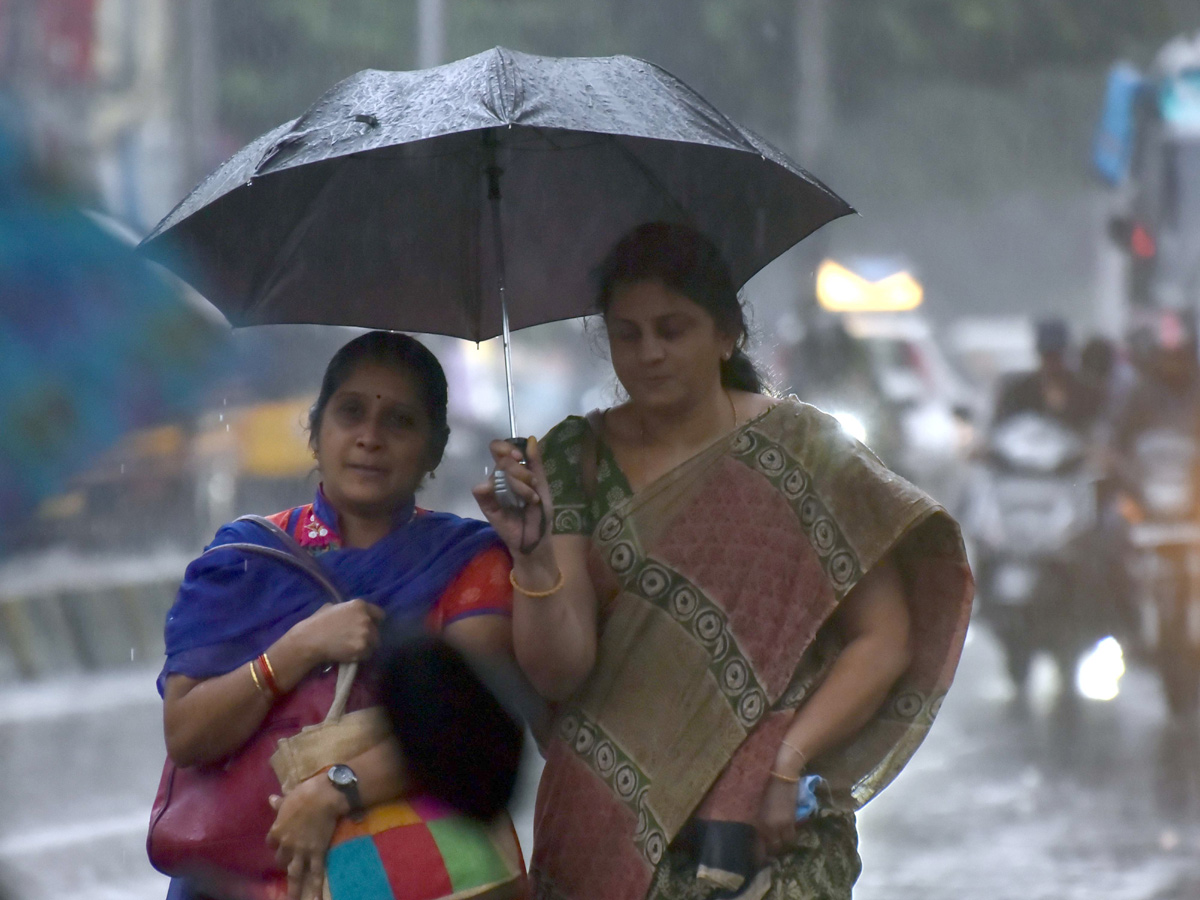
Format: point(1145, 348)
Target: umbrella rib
point(651, 177)
point(288, 247)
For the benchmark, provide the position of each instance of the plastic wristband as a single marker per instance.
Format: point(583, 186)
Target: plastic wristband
point(512, 579)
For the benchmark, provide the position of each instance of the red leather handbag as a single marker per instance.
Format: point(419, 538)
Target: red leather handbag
point(217, 816)
point(211, 820)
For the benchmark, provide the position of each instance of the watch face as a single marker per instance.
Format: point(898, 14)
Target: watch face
point(342, 776)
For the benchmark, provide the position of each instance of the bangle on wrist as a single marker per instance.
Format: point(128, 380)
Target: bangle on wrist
point(788, 778)
point(267, 671)
point(512, 579)
point(262, 688)
point(800, 753)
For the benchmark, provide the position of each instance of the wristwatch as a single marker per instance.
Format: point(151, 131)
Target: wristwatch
point(343, 778)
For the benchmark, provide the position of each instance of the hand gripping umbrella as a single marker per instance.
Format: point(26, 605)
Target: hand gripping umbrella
point(478, 197)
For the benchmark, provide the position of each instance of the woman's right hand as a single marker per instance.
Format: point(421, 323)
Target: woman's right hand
point(528, 527)
point(340, 632)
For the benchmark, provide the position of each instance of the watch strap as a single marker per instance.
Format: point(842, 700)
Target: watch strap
point(349, 790)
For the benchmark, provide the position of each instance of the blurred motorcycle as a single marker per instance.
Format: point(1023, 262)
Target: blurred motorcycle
point(1031, 515)
point(1165, 565)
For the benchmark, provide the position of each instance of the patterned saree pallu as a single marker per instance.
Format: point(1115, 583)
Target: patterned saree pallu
point(716, 582)
point(423, 850)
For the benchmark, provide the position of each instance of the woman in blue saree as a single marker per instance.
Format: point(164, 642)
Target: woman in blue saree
point(247, 635)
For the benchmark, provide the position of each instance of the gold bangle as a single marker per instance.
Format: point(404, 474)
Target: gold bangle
point(800, 753)
point(257, 682)
point(788, 778)
point(512, 579)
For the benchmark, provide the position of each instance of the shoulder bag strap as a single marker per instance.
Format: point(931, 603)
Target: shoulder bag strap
point(298, 558)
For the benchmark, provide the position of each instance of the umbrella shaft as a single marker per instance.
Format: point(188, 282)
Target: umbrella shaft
point(493, 173)
point(512, 413)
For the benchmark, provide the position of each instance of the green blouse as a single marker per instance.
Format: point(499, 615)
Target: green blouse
point(578, 505)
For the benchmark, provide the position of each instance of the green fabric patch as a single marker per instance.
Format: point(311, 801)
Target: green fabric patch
point(468, 852)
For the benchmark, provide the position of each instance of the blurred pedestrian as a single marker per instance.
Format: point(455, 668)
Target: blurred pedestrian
point(747, 620)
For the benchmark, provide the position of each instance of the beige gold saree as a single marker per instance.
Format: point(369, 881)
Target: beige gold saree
point(715, 582)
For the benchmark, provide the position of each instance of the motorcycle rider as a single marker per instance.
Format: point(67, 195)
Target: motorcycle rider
point(1054, 389)
point(1055, 613)
point(1167, 391)
point(1165, 400)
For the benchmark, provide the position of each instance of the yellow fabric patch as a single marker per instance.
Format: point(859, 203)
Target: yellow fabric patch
point(390, 815)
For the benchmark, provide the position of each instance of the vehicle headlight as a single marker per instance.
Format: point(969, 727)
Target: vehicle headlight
point(1167, 496)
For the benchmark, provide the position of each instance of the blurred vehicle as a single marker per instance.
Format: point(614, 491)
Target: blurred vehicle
point(1148, 146)
point(871, 359)
point(1031, 514)
point(1165, 565)
point(175, 484)
point(1156, 442)
point(988, 349)
point(932, 409)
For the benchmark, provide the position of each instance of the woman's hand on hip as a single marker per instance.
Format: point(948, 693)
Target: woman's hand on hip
point(518, 528)
point(777, 816)
point(304, 823)
point(340, 632)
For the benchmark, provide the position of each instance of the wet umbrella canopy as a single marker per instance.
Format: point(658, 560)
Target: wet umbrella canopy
point(372, 208)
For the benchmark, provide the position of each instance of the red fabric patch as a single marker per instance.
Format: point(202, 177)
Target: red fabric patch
point(740, 543)
point(737, 794)
point(424, 875)
point(586, 849)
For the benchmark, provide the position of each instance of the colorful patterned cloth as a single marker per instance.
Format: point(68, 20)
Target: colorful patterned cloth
point(715, 584)
point(442, 855)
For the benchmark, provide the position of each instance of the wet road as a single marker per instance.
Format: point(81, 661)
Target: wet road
point(1002, 803)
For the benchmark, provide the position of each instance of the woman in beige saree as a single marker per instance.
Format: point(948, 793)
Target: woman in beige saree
point(734, 594)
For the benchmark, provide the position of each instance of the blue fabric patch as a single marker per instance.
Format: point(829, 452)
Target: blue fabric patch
point(355, 870)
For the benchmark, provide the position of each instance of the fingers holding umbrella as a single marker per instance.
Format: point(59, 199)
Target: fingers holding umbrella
point(521, 525)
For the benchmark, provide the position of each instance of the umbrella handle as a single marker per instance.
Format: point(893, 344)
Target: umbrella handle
point(505, 495)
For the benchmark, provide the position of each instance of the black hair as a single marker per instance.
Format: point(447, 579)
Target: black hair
point(684, 260)
point(399, 352)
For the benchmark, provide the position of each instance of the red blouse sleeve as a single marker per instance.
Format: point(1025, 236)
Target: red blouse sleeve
point(482, 587)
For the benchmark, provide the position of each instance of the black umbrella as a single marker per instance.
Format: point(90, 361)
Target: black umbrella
point(478, 195)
